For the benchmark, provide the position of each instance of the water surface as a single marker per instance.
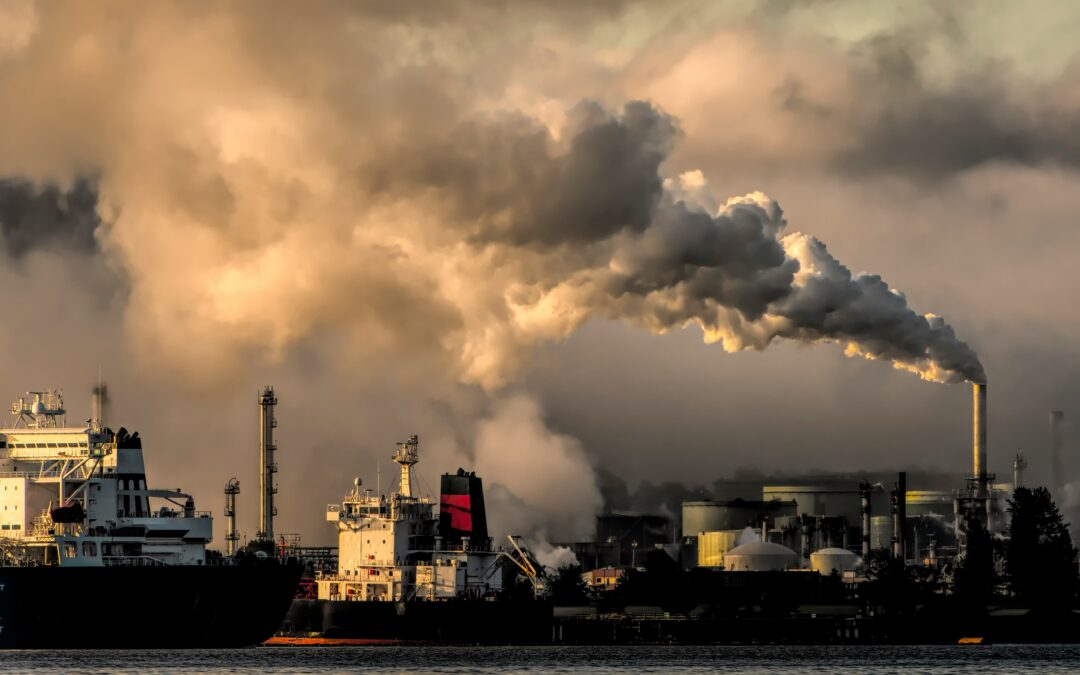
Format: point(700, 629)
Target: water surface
point(647, 659)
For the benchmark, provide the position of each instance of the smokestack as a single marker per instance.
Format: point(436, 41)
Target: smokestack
point(1019, 464)
point(979, 473)
point(808, 526)
point(1057, 481)
point(267, 466)
point(232, 488)
point(864, 509)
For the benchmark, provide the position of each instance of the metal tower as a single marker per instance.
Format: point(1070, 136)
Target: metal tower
point(267, 466)
point(232, 488)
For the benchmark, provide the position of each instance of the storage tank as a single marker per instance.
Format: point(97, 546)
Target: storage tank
point(828, 559)
point(930, 502)
point(835, 499)
point(715, 516)
point(712, 546)
point(760, 556)
point(880, 532)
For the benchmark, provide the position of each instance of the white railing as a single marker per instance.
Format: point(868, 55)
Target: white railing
point(132, 561)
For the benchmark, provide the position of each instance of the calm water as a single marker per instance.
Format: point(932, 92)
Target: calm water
point(956, 659)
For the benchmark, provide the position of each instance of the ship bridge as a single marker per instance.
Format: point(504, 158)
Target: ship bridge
point(78, 495)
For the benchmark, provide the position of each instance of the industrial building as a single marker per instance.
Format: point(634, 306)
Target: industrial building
point(623, 538)
point(829, 524)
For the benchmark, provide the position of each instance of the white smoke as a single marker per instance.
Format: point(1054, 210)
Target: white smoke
point(734, 273)
point(748, 535)
point(538, 483)
point(255, 203)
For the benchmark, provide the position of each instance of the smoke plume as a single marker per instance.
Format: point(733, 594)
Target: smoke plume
point(254, 204)
point(433, 194)
point(539, 483)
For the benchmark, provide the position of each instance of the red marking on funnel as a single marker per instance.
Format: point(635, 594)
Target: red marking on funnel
point(460, 509)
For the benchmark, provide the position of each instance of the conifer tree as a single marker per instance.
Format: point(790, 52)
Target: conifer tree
point(1040, 560)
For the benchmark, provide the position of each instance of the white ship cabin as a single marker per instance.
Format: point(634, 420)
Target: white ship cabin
point(390, 548)
point(77, 496)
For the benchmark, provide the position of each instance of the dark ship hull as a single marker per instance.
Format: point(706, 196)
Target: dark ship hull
point(131, 607)
point(443, 622)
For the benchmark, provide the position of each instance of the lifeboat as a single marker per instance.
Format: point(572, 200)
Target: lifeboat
point(70, 512)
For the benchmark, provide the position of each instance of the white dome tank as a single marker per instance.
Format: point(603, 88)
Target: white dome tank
point(828, 559)
point(760, 556)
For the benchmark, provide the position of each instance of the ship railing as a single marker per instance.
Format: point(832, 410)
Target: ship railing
point(30, 474)
point(176, 514)
point(41, 526)
point(132, 561)
point(15, 562)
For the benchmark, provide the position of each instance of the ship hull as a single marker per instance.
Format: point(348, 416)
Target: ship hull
point(167, 607)
point(444, 622)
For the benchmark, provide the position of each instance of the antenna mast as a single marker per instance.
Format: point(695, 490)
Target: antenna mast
point(407, 455)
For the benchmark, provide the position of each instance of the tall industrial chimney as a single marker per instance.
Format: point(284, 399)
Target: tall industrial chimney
point(1057, 482)
point(232, 488)
point(899, 515)
point(979, 433)
point(864, 509)
point(1019, 464)
point(267, 466)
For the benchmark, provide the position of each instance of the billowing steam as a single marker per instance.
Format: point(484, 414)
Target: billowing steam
point(365, 182)
point(540, 484)
point(256, 203)
point(736, 274)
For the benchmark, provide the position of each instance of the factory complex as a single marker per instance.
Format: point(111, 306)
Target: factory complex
point(830, 523)
point(911, 556)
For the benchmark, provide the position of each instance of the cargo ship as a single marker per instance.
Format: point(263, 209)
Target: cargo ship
point(91, 557)
point(407, 573)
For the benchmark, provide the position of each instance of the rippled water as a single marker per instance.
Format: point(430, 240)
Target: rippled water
point(764, 659)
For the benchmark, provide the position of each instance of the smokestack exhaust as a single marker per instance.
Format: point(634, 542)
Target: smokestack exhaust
point(979, 472)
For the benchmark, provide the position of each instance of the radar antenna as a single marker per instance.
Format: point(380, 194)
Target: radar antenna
point(46, 411)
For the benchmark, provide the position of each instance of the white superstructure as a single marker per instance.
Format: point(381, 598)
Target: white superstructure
point(389, 548)
point(77, 496)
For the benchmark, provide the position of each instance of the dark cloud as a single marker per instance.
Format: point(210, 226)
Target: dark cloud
point(34, 217)
point(506, 180)
point(930, 135)
point(930, 132)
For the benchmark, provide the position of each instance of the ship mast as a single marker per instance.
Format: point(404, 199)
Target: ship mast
point(407, 455)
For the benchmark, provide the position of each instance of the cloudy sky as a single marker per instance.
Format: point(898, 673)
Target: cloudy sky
point(545, 237)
